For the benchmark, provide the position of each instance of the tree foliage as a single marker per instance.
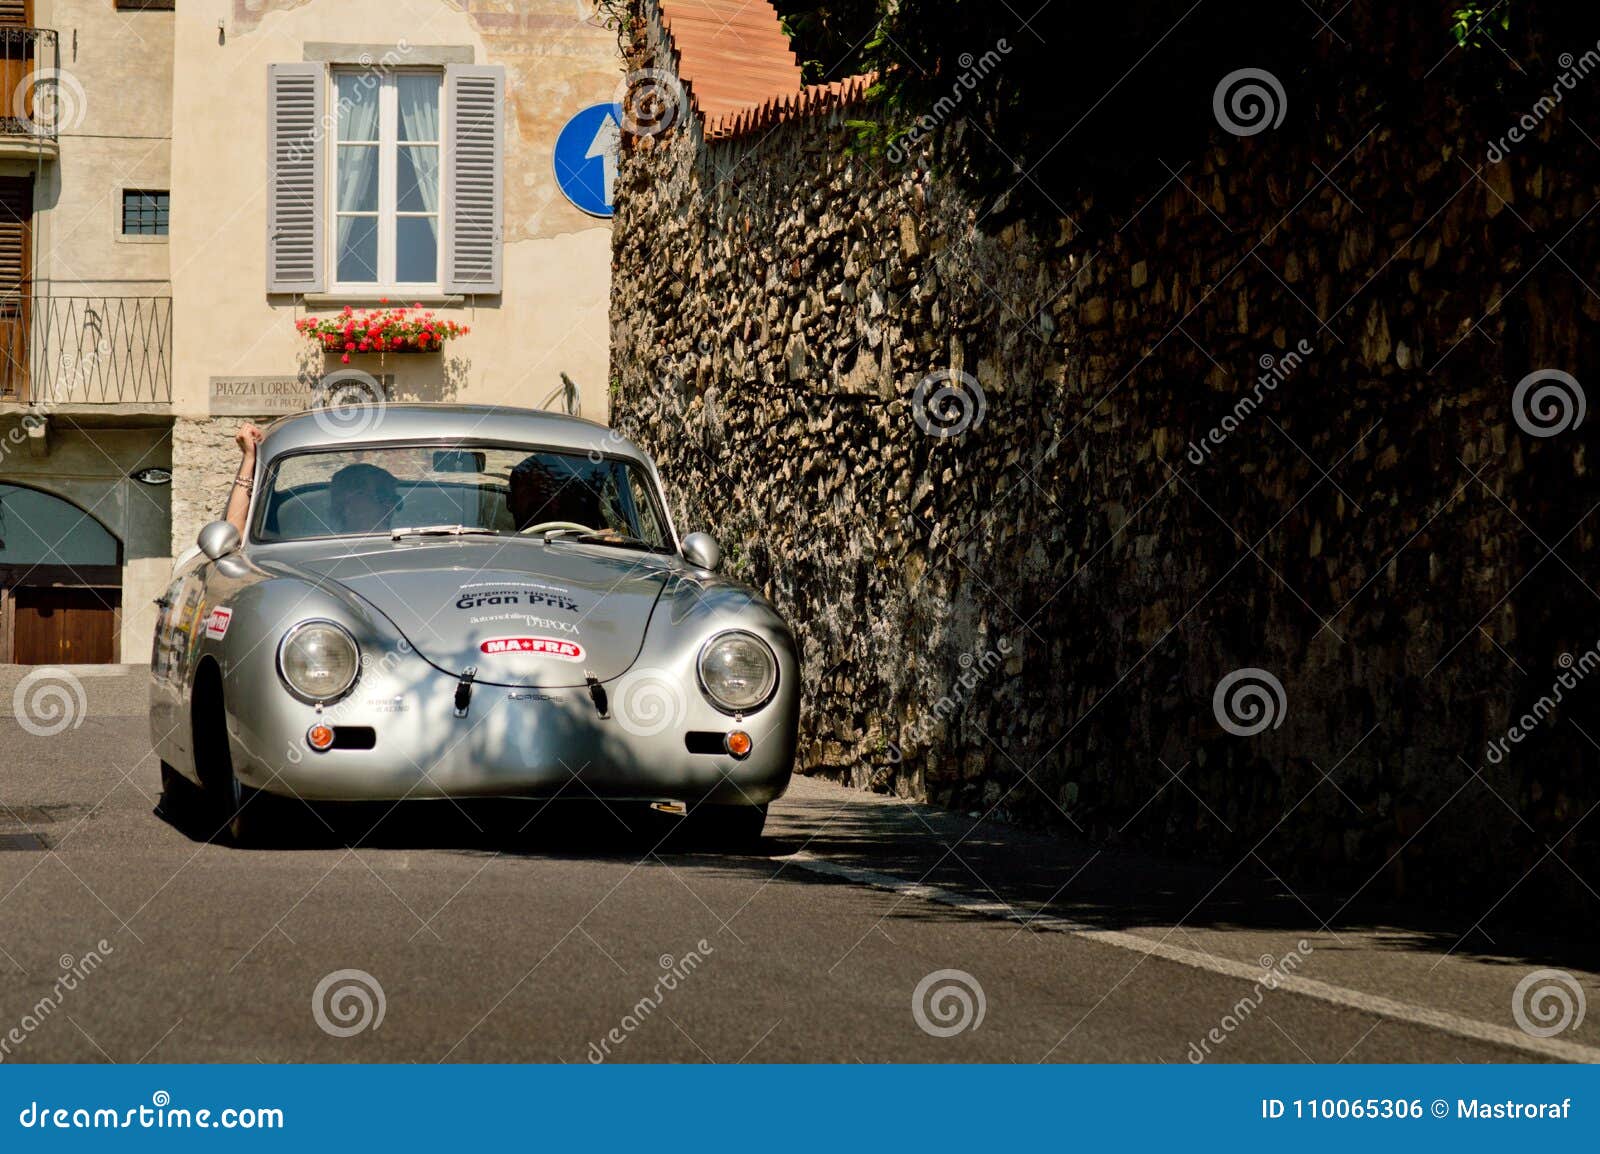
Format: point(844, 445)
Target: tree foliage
point(1087, 95)
point(829, 36)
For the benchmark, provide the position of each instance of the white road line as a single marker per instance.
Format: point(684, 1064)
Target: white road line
point(1309, 987)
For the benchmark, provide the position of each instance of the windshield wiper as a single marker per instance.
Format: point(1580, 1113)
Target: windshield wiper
point(598, 537)
point(622, 540)
point(437, 531)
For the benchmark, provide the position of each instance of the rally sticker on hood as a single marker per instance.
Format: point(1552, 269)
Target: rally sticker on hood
point(532, 593)
point(217, 622)
point(545, 646)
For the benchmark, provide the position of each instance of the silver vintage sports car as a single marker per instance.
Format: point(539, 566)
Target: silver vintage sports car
point(465, 602)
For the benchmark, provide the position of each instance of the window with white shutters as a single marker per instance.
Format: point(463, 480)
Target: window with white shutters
point(385, 181)
point(296, 99)
point(474, 176)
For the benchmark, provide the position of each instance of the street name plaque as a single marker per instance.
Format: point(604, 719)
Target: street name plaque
point(273, 396)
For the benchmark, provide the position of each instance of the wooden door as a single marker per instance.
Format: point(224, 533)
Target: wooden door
point(52, 625)
point(18, 42)
point(16, 262)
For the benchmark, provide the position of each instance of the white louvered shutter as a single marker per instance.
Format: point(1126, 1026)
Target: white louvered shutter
point(474, 177)
point(296, 107)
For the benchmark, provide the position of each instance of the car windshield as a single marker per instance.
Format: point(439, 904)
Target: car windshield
point(460, 488)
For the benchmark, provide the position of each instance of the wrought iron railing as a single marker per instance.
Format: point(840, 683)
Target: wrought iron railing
point(36, 95)
point(60, 350)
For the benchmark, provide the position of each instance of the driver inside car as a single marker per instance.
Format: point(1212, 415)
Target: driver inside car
point(536, 497)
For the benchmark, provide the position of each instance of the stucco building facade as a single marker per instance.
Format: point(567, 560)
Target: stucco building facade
point(180, 184)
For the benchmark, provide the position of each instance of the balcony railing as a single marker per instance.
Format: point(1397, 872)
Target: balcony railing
point(36, 95)
point(71, 350)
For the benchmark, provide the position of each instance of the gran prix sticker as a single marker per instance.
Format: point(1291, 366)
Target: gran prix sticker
point(217, 623)
point(543, 646)
point(532, 594)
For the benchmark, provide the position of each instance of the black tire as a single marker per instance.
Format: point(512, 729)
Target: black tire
point(183, 803)
point(244, 817)
point(254, 818)
point(727, 826)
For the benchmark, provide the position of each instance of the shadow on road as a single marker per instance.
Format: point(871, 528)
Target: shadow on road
point(1031, 873)
point(558, 828)
point(1121, 889)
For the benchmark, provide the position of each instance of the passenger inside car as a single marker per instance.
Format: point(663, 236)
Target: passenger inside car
point(363, 499)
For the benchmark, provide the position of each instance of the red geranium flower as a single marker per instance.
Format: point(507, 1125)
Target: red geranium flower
point(363, 330)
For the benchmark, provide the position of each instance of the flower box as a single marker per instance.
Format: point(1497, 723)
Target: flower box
point(380, 330)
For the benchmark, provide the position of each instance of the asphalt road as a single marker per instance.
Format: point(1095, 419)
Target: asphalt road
point(589, 929)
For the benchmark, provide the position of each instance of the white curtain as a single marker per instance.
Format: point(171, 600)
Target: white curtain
point(358, 120)
point(419, 120)
point(357, 166)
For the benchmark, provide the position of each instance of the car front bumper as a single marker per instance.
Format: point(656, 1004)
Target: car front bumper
point(512, 743)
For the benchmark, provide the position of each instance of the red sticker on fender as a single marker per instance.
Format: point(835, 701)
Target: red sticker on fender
point(217, 622)
point(544, 646)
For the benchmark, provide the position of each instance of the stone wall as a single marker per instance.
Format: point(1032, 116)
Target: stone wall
point(207, 460)
point(1261, 418)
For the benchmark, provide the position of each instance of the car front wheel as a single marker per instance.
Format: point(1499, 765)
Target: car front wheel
point(247, 817)
point(728, 826)
point(183, 803)
point(252, 821)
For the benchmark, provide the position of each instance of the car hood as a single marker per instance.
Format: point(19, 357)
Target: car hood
point(522, 613)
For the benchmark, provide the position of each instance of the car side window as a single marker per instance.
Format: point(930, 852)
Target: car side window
point(651, 527)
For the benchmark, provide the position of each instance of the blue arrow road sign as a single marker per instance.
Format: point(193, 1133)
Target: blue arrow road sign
point(586, 157)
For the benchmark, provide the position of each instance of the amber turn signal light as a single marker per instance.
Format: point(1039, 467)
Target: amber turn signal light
point(319, 737)
point(737, 743)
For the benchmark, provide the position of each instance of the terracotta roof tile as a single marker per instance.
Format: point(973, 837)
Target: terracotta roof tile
point(732, 53)
point(737, 66)
point(808, 101)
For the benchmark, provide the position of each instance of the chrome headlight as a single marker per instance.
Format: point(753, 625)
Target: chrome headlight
point(738, 671)
point(318, 661)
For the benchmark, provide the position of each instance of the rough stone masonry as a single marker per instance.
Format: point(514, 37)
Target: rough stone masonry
point(1034, 617)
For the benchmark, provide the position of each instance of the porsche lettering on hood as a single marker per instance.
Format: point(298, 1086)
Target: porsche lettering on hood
point(513, 610)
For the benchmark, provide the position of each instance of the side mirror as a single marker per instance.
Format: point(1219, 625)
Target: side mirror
point(218, 539)
point(702, 550)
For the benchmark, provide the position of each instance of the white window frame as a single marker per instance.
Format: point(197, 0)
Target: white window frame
point(388, 145)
